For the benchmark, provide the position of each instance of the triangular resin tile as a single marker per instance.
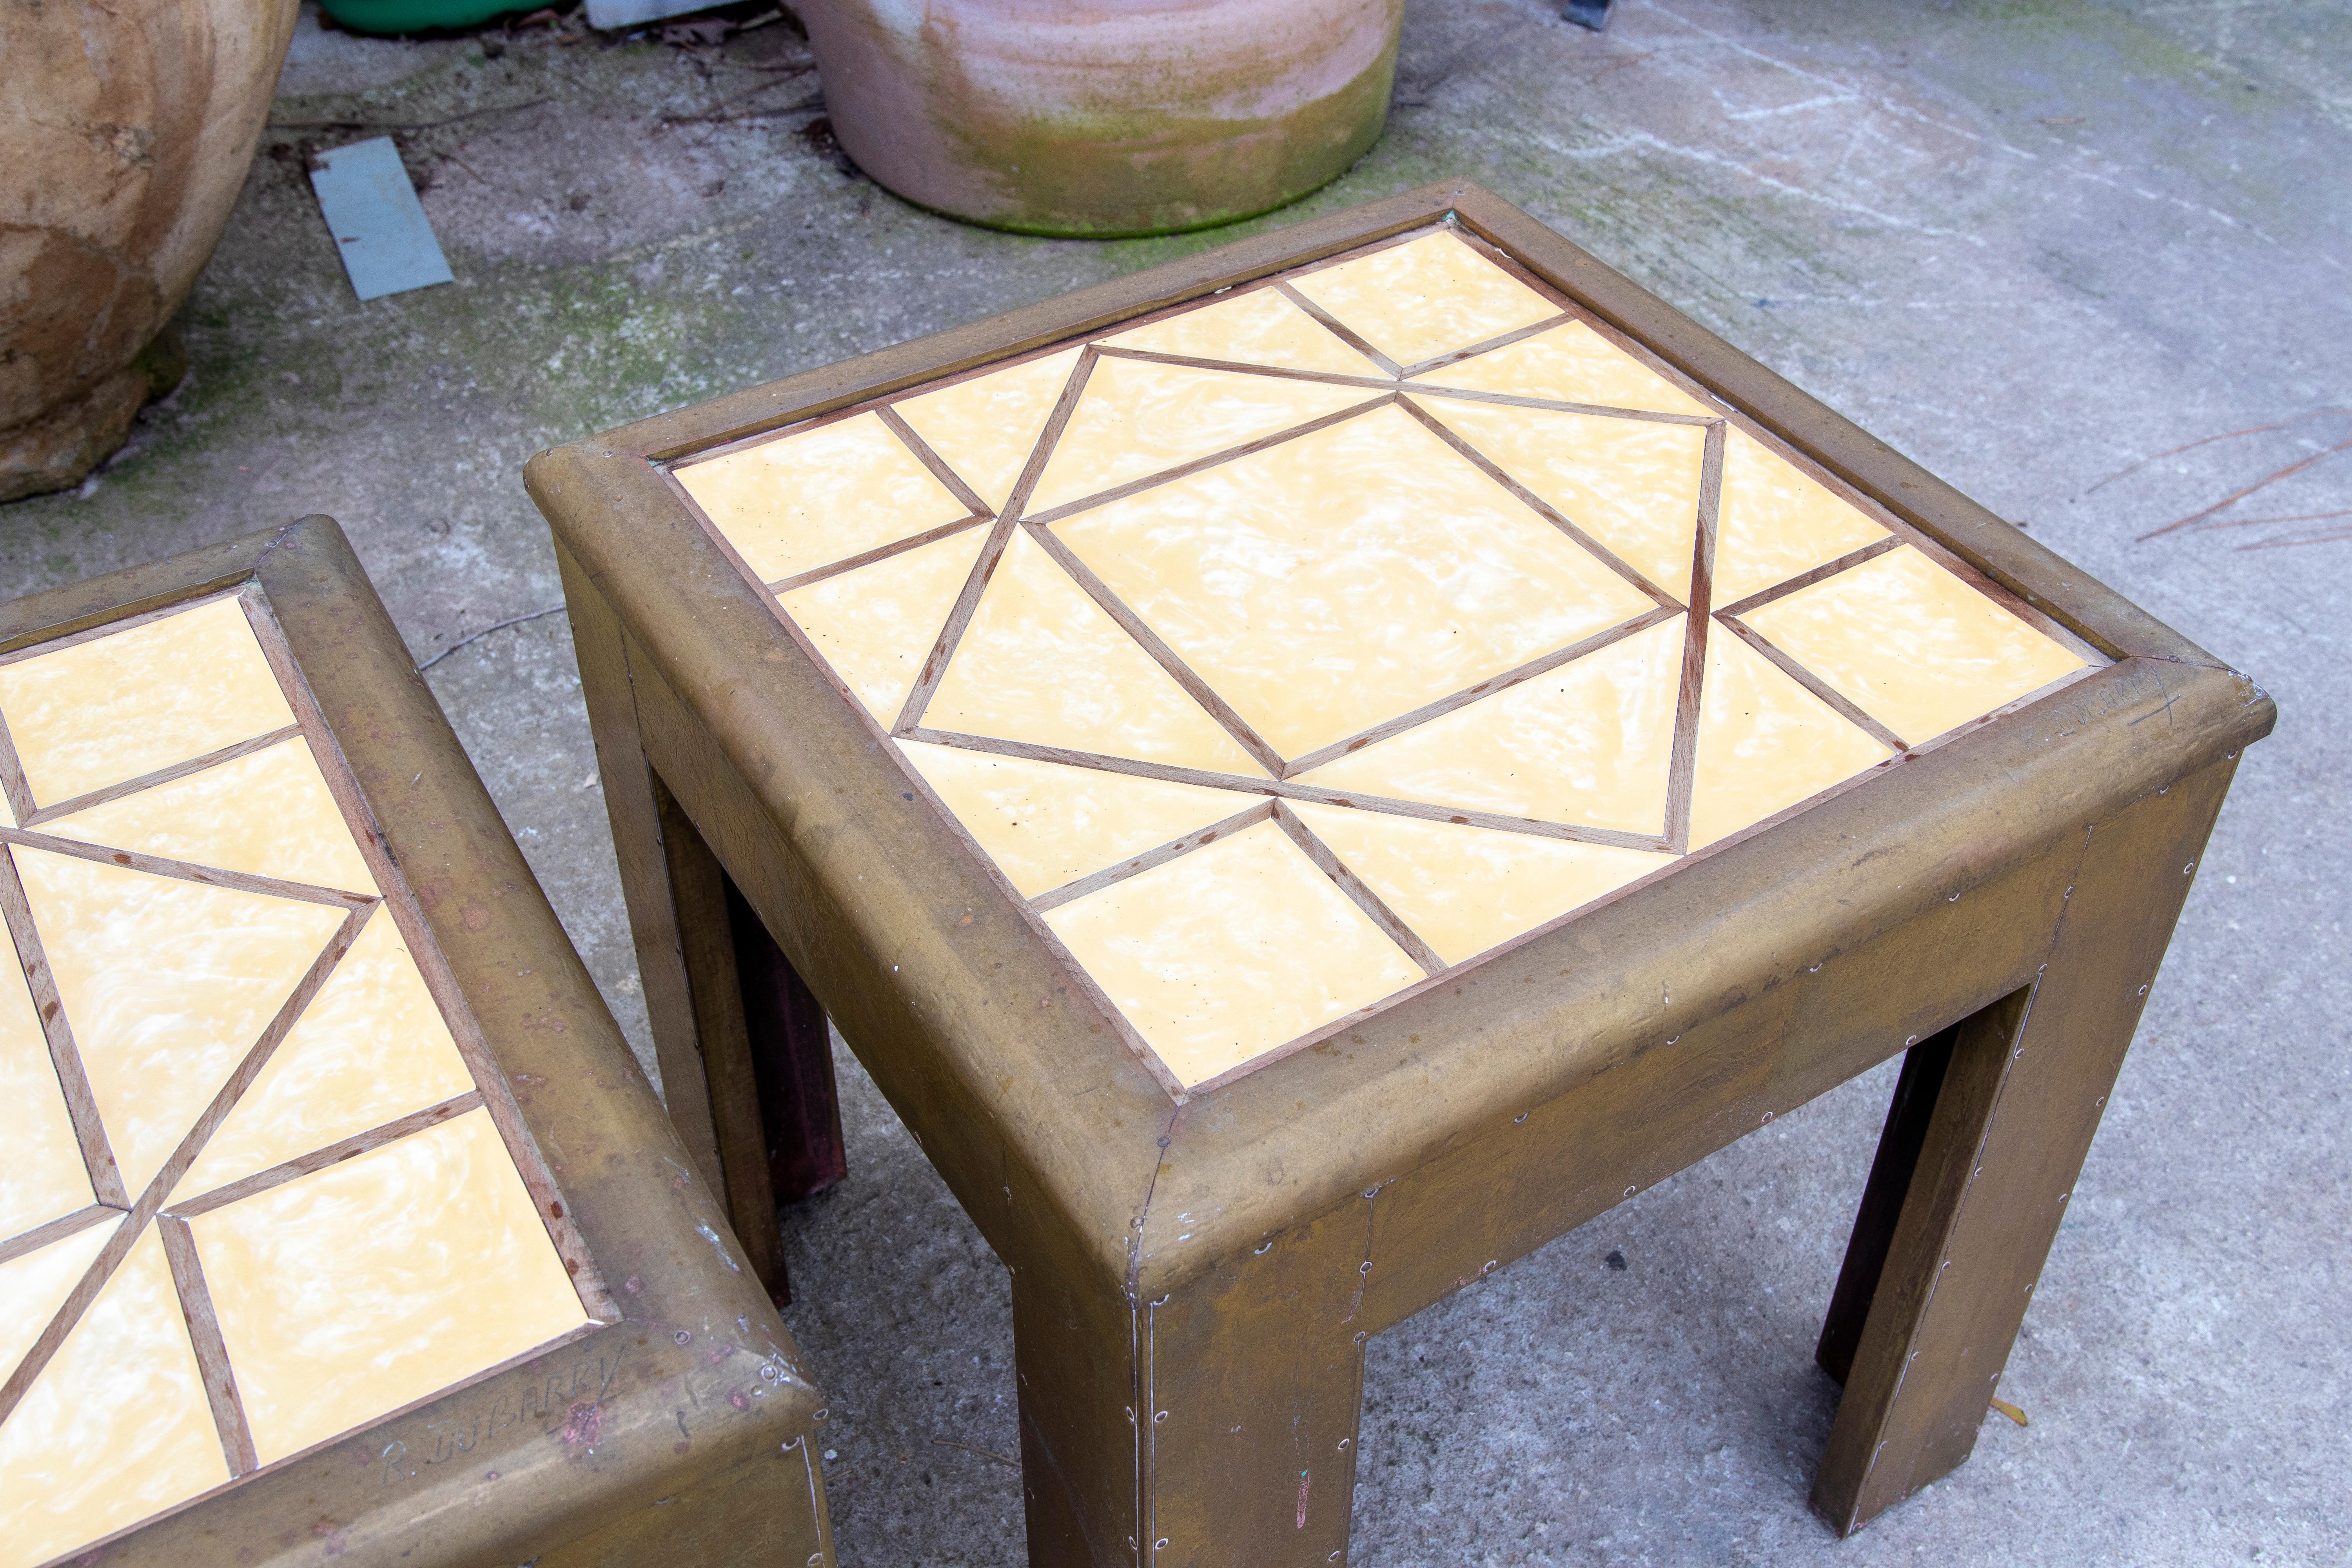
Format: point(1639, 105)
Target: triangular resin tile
point(1775, 520)
point(1260, 327)
point(1427, 297)
point(1137, 418)
point(370, 1048)
point(367, 1286)
point(136, 702)
point(876, 625)
point(984, 428)
point(1329, 584)
point(1466, 889)
point(1046, 823)
point(118, 1428)
point(1222, 954)
point(1042, 662)
point(1631, 484)
point(34, 1285)
point(1587, 744)
point(42, 1175)
point(1764, 743)
point(167, 985)
point(270, 814)
point(1570, 364)
point(1911, 644)
point(795, 504)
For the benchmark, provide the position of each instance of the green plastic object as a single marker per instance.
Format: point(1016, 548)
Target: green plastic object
point(415, 16)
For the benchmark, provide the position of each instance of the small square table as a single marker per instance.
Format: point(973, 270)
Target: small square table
point(336, 1219)
point(1310, 770)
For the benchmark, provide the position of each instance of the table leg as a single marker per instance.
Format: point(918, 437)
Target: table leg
point(1213, 1427)
point(2001, 1134)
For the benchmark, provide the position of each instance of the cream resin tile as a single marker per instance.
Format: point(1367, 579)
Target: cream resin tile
point(1632, 484)
point(167, 986)
point(374, 1283)
point(370, 1048)
point(876, 626)
point(793, 505)
point(41, 1173)
point(116, 1428)
point(1260, 327)
point(1764, 743)
point(1589, 743)
point(118, 707)
point(985, 427)
point(33, 1287)
point(1911, 644)
point(1330, 583)
point(1427, 297)
point(1041, 662)
point(1046, 824)
point(1775, 521)
point(1466, 889)
point(1570, 364)
point(1226, 952)
point(270, 814)
point(1137, 418)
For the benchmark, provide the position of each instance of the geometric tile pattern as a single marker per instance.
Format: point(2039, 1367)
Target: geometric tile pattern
point(1296, 647)
point(256, 1194)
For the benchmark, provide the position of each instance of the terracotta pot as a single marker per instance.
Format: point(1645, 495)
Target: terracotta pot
point(125, 131)
point(1104, 117)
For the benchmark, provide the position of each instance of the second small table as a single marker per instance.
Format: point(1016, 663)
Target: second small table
point(1310, 770)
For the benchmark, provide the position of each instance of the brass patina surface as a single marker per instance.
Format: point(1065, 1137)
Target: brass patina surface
point(1195, 1272)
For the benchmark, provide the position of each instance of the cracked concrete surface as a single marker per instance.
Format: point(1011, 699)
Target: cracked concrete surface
point(2088, 261)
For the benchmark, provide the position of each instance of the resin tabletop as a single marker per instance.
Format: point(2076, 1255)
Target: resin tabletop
point(1290, 650)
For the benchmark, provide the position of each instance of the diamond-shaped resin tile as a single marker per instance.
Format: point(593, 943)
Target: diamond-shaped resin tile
point(118, 707)
point(1330, 583)
point(791, 505)
point(366, 1286)
point(1427, 297)
point(1229, 951)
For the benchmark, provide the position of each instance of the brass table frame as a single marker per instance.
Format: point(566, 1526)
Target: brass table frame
point(634, 1441)
point(1195, 1276)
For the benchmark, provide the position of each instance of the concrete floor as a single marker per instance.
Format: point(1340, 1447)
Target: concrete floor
point(2046, 247)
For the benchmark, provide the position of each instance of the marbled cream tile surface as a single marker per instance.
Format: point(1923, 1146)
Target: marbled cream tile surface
point(131, 702)
point(1330, 583)
point(116, 1428)
point(1260, 327)
point(34, 1286)
point(1042, 662)
point(1226, 952)
point(41, 1170)
point(985, 427)
point(1587, 744)
point(1764, 743)
point(167, 985)
point(374, 1283)
point(1631, 484)
point(1570, 363)
point(1775, 521)
point(1911, 644)
point(1425, 297)
point(876, 625)
point(370, 1048)
point(1046, 823)
point(270, 814)
point(1136, 417)
point(801, 502)
point(1464, 889)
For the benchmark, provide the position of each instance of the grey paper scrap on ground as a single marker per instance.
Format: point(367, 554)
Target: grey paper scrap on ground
point(380, 229)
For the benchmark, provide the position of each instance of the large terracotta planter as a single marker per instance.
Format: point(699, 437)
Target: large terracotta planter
point(125, 131)
point(1104, 117)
